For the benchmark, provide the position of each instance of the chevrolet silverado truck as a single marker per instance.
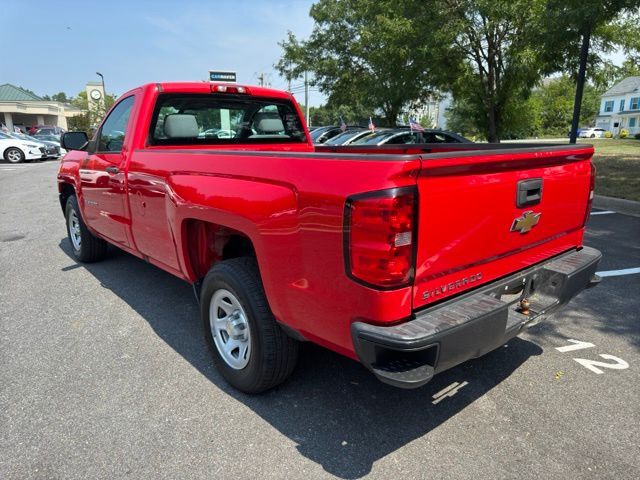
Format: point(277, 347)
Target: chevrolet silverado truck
point(409, 258)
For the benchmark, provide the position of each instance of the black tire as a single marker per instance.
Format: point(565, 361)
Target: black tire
point(273, 354)
point(593, 135)
point(90, 248)
point(14, 155)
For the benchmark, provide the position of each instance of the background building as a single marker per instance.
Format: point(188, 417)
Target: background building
point(21, 108)
point(620, 107)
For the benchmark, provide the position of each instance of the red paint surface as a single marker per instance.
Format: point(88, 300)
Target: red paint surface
point(289, 201)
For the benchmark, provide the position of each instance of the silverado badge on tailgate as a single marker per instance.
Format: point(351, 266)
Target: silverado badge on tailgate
point(525, 222)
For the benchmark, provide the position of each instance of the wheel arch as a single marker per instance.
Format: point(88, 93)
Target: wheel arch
point(65, 191)
point(205, 243)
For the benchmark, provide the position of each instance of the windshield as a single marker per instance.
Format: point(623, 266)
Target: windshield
point(343, 137)
point(316, 134)
point(22, 136)
point(47, 138)
point(373, 139)
point(181, 119)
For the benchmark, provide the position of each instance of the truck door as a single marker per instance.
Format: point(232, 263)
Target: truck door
point(102, 176)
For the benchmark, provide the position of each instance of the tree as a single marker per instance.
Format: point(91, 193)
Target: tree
point(555, 104)
point(91, 117)
point(364, 52)
point(576, 29)
point(331, 115)
point(499, 58)
point(606, 74)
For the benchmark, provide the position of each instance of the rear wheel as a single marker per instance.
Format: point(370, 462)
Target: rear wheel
point(14, 155)
point(85, 245)
point(249, 348)
point(593, 135)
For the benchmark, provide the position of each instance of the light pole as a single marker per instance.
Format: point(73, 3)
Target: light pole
point(104, 92)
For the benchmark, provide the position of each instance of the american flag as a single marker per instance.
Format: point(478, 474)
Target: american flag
point(415, 126)
point(372, 127)
point(343, 126)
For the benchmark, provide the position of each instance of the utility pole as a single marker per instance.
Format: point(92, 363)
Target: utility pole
point(306, 97)
point(582, 69)
point(261, 79)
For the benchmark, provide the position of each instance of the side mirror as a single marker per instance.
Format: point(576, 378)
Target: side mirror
point(74, 141)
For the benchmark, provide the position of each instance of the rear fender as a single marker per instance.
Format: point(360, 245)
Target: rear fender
point(264, 212)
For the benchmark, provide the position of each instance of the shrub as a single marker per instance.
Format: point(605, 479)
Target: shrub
point(608, 134)
point(624, 133)
point(637, 135)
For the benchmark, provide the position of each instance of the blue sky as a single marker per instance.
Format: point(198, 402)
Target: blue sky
point(55, 46)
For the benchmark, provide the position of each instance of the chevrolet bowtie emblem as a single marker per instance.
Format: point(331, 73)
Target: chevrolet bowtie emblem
point(525, 222)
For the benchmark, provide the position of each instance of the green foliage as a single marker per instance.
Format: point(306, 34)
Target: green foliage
point(546, 113)
point(499, 59)
point(554, 105)
point(608, 23)
point(331, 115)
point(624, 133)
point(387, 55)
point(369, 53)
point(91, 118)
point(606, 74)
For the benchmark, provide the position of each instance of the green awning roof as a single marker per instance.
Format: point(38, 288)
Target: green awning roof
point(11, 93)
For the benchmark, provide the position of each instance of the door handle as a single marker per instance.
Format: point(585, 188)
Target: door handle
point(112, 170)
point(529, 192)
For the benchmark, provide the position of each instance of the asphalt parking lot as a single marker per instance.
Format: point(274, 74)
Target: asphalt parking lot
point(104, 374)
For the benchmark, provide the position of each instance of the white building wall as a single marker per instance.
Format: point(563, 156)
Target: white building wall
point(620, 118)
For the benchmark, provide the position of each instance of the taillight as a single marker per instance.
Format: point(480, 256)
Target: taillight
point(229, 89)
point(592, 189)
point(380, 237)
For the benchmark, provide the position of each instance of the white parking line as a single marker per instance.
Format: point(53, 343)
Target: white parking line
point(615, 273)
point(603, 212)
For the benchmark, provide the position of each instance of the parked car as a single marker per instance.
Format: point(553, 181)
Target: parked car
point(410, 263)
point(404, 136)
point(216, 133)
point(593, 132)
point(46, 130)
point(322, 134)
point(15, 150)
point(52, 149)
point(348, 137)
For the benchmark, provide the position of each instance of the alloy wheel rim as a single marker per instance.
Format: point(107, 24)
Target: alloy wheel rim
point(74, 230)
point(230, 329)
point(13, 156)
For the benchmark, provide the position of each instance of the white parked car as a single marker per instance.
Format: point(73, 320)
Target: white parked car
point(14, 150)
point(592, 132)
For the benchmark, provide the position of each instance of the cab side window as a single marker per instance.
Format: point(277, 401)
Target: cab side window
point(115, 126)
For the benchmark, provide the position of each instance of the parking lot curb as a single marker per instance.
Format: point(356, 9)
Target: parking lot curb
point(620, 205)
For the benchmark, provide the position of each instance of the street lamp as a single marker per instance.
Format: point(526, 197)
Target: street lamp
point(104, 92)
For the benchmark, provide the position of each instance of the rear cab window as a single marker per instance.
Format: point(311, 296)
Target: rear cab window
point(210, 119)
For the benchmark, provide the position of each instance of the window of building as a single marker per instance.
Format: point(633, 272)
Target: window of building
point(608, 106)
point(633, 103)
point(632, 122)
point(621, 105)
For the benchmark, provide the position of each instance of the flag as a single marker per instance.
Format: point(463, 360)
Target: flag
point(415, 126)
point(343, 126)
point(372, 127)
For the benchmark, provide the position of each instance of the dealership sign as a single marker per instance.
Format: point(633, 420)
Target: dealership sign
point(218, 76)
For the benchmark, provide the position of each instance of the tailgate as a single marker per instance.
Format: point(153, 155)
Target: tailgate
point(472, 231)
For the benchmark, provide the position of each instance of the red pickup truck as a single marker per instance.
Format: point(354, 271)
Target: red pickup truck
point(409, 258)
